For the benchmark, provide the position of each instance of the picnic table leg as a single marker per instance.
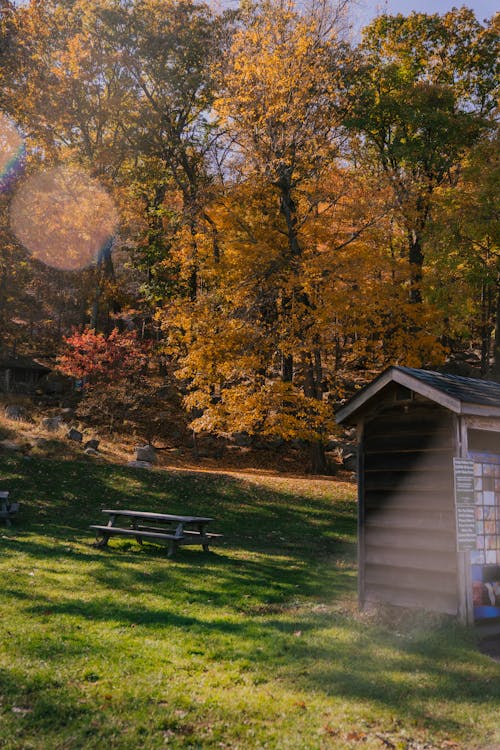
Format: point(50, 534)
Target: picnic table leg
point(204, 540)
point(101, 540)
point(4, 509)
point(138, 538)
point(172, 546)
point(104, 537)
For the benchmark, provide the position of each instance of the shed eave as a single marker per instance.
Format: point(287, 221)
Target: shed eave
point(428, 391)
point(358, 401)
point(481, 410)
point(395, 375)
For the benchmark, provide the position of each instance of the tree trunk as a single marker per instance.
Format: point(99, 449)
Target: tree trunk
point(3, 305)
point(486, 329)
point(94, 315)
point(104, 270)
point(311, 365)
point(495, 370)
point(312, 374)
point(416, 258)
point(319, 464)
point(287, 368)
point(289, 211)
point(193, 270)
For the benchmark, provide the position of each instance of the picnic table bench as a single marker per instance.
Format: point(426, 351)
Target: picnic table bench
point(155, 527)
point(7, 510)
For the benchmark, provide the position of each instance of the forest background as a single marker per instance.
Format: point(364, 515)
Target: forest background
point(274, 212)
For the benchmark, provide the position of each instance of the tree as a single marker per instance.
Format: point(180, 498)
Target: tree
point(65, 93)
point(114, 371)
point(167, 49)
point(278, 106)
point(465, 255)
point(7, 43)
point(421, 97)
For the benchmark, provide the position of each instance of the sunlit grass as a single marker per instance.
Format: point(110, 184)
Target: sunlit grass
point(256, 645)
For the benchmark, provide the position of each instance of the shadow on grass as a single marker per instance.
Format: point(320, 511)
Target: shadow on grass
point(332, 655)
point(249, 584)
point(61, 499)
point(250, 603)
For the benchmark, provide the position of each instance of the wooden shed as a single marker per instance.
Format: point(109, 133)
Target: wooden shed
point(20, 374)
point(429, 492)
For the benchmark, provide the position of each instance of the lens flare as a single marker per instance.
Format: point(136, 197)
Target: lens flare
point(12, 151)
point(63, 217)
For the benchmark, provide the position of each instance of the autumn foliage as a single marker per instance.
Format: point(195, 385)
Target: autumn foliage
point(98, 359)
point(117, 388)
point(296, 211)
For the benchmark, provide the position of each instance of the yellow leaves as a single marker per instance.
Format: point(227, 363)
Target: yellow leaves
point(219, 347)
point(274, 86)
point(271, 408)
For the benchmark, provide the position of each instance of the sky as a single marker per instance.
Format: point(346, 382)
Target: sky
point(367, 9)
point(370, 8)
point(364, 10)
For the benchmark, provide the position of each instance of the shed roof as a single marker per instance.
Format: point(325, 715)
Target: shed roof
point(460, 395)
point(20, 362)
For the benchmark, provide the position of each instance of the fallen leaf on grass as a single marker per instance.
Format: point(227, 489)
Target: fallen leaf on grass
point(356, 736)
point(300, 704)
point(386, 741)
point(332, 731)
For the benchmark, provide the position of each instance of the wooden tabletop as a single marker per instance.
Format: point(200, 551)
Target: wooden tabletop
point(156, 516)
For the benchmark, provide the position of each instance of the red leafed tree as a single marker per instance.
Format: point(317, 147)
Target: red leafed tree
point(117, 384)
point(99, 360)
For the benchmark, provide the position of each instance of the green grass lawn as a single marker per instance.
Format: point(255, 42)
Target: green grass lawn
point(255, 645)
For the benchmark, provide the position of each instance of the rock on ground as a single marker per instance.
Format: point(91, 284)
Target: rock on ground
point(52, 424)
point(140, 464)
point(145, 453)
point(17, 413)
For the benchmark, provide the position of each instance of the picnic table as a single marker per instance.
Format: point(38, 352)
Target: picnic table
point(7, 509)
point(165, 528)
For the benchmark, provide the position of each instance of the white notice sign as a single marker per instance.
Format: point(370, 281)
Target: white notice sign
point(464, 503)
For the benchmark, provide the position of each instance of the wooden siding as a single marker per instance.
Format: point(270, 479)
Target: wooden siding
point(407, 518)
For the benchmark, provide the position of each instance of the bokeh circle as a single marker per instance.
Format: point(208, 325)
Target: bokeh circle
point(63, 217)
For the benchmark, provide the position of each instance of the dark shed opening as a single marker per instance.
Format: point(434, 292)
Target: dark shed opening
point(21, 374)
point(412, 424)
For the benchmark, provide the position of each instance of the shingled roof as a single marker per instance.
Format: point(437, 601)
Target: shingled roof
point(19, 362)
point(460, 395)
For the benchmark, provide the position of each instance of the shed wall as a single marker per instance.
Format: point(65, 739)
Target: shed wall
point(407, 518)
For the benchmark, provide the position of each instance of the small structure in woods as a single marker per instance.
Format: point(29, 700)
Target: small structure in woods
point(429, 492)
point(20, 374)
